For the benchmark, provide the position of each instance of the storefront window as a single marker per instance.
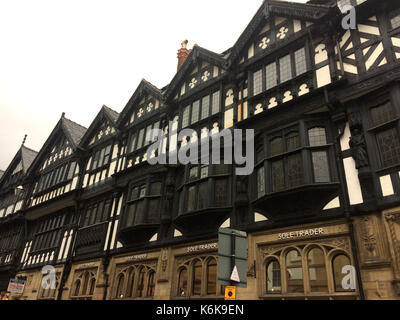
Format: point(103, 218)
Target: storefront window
point(183, 281)
point(274, 277)
point(197, 271)
point(317, 271)
point(294, 272)
point(212, 277)
point(339, 262)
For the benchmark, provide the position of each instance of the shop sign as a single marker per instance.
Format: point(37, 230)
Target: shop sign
point(203, 247)
point(137, 257)
point(16, 286)
point(301, 234)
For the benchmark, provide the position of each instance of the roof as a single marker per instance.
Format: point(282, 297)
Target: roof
point(105, 112)
point(74, 130)
point(196, 53)
point(306, 11)
point(112, 113)
point(142, 87)
point(24, 155)
point(27, 157)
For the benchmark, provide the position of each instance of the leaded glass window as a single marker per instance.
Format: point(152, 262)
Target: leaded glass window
point(389, 147)
point(221, 191)
point(257, 82)
point(277, 146)
point(185, 117)
point(295, 170)
point(278, 176)
point(317, 137)
point(195, 111)
point(285, 68)
point(382, 114)
point(321, 167)
point(261, 182)
point(300, 61)
point(205, 107)
point(292, 141)
point(215, 103)
point(271, 75)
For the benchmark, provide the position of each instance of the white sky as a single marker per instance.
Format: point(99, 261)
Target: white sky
point(74, 56)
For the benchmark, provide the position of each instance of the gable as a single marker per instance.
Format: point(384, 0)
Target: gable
point(272, 33)
point(199, 74)
point(105, 130)
point(146, 106)
point(59, 150)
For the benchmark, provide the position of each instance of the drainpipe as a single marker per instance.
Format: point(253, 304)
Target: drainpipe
point(343, 184)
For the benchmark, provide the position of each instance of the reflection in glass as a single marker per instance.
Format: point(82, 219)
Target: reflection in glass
point(317, 271)
point(294, 272)
point(274, 277)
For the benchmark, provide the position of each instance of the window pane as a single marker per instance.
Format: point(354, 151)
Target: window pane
point(185, 117)
point(203, 195)
point(300, 59)
point(321, 167)
point(204, 172)
point(131, 283)
point(292, 141)
point(389, 147)
point(133, 143)
point(150, 285)
point(278, 178)
point(195, 111)
point(152, 216)
point(257, 82)
point(274, 277)
point(212, 277)
point(272, 79)
point(205, 107)
point(197, 278)
point(276, 146)
point(135, 193)
point(131, 215)
point(317, 137)
point(294, 272)
point(183, 280)
point(295, 172)
point(215, 103)
point(317, 271)
point(261, 182)
point(140, 139)
point(155, 189)
point(221, 192)
point(339, 262)
point(382, 114)
point(140, 287)
point(193, 173)
point(191, 199)
point(139, 212)
point(142, 191)
point(285, 68)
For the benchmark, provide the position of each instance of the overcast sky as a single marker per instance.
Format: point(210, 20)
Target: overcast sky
point(74, 56)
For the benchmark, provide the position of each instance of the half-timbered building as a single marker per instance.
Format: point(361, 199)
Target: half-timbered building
point(324, 102)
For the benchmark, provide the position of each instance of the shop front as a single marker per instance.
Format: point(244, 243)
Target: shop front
point(305, 262)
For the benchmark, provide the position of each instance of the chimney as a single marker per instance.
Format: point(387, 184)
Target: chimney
point(183, 54)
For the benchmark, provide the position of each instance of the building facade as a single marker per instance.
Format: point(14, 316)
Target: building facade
point(324, 102)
